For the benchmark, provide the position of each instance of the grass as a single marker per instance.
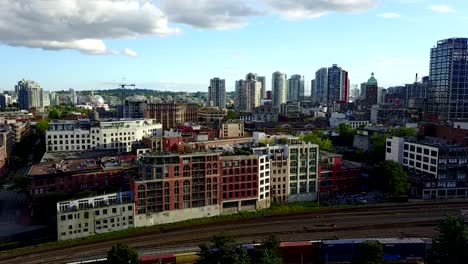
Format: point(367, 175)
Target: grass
point(274, 209)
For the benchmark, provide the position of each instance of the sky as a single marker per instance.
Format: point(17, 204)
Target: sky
point(178, 45)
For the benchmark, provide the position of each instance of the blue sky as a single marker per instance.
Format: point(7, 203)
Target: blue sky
point(179, 45)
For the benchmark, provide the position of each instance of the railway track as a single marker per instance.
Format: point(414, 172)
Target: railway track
point(316, 225)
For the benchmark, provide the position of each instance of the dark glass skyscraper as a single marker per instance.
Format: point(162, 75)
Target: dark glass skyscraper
point(448, 76)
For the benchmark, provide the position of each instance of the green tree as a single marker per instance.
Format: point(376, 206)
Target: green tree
point(269, 252)
point(378, 142)
point(221, 250)
point(369, 252)
point(42, 126)
point(121, 253)
point(451, 243)
point(55, 113)
point(404, 132)
point(232, 115)
point(346, 134)
point(317, 137)
point(394, 179)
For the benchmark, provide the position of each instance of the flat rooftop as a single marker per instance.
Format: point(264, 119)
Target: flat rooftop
point(347, 164)
point(72, 165)
point(88, 154)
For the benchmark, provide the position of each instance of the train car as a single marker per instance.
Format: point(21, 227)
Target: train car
point(301, 252)
point(168, 258)
point(396, 250)
point(187, 258)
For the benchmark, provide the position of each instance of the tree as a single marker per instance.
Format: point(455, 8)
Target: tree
point(451, 243)
point(394, 179)
point(317, 137)
point(121, 253)
point(346, 134)
point(42, 126)
point(222, 250)
point(55, 114)
point(232, 115)
point(369, 252)
point(19, 184)
point(378, 147)
point(269, 252)
point(404, 132)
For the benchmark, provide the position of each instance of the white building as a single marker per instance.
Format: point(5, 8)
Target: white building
point(95, 215)
point(84, 134)
point(248, 93)
point(339, 118)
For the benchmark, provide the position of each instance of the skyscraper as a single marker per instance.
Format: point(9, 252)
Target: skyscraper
point(320, 88)
point(278, 86)
point(372, 91)
point(337, 84)
point(262, 80)
point(29, 94)
point(248, 93)
point(217, 93)
point(73, 98)
point(448, 76)
point(296, 88)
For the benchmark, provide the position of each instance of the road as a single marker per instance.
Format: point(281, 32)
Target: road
point(403, 220)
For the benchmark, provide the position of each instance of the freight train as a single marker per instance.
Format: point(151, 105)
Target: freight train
point(396, 250)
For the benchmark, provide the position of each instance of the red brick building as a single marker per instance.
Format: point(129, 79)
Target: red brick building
point(169, 182)
point(77, 175)
point(338, 176)
point(456, 135)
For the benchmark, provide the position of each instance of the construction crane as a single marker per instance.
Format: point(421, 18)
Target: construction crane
point(122, 87)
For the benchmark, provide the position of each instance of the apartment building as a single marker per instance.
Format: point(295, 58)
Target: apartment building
point(245, 183)
point(169, 114)
point(279, 171)
point(231, 129)
point(437, 168)
point(173, 187)
point(73, 176)
point(303, 172)
point(95, 215)
point(110, 134)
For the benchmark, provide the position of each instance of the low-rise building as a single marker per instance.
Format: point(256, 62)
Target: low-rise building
point(339, 118)
point(265, 113)
point(95, 215)
point(231, 129)
point(338, 176)
point(86, 134)
point(437, 168)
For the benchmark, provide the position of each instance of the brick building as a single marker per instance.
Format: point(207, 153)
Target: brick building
point(245, 183)
point(338, 176)
point(176, 187)
point(169, 114)
point(77, 175)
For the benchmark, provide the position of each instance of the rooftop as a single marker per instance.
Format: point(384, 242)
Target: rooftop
point(347, 164)
point(89, 154)
point(63, 166)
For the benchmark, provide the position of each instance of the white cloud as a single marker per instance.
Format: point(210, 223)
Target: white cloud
point(442, 8)
point(389, 15)
point(209, 14)
point(296, 9)
point(130, 53)
point(78, 25)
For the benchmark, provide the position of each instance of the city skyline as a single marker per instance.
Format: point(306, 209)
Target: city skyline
point(390, 38)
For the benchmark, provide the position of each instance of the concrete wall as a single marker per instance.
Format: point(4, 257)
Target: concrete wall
point(176, 215)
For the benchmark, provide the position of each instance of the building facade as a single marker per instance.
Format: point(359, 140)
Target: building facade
point(29, 95)
point(338, 85)
point(262, 80)
point(217, 93)
point(175, 187)
point(84, 134)
point(437, 168)
point(372, 91)
point(134, 108)
point(448, 82)
point(95, 215)
point(169, 114)
point(279, 87)
point(248, 93)
point(295, 88)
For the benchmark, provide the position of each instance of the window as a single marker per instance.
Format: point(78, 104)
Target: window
point(114, 210)
point(86, 215)
point(70, 216)
point(104, 211)
point(63, 218)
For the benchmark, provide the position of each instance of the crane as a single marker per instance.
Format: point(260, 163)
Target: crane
point(122, 87)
